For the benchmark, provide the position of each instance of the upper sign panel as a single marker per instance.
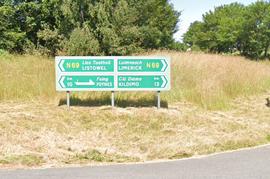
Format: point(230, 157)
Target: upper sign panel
point(86, 65)
point(142, 65)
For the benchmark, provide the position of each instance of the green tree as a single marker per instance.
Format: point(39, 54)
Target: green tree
point(256, 30)
point(10, 34)
point(29, 18)
point(158, 21)
point(219, 31)
point(233, 28)
point(193, 37)
point(116, 27)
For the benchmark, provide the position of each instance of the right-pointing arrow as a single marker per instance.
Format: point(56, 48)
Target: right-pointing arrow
point(89, 83)
point(61, 82)
point(164, 65)
point(164, 81)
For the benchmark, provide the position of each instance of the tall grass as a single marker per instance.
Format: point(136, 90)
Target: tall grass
point(210, 81)
point(26, 77)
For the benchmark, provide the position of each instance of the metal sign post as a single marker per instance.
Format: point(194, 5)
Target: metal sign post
point(158, 99)
point(68, 99)
point(112, 99)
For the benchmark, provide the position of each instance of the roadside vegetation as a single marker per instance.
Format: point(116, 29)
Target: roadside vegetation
point(209, 81)
point(217, 103)
point(23, 160)
point(124, 27)
point(233, 29)
point(109, 27)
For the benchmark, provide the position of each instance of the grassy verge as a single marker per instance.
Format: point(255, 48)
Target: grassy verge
point(101, 134)
point(34, 119)
point(26, 77)
point(212, 81)
point(24, 160)
point(97, 156)
point(209, 81)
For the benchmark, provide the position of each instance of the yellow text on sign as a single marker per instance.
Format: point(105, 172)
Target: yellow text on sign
point(152, 65)
point(73, 65)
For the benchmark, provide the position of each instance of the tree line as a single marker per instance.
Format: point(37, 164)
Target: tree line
point(233, 28)
point(87, 27)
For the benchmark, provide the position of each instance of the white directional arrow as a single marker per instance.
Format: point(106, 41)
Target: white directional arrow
point(62, 79)
point(90, 83)
point(164, 81)
point(61, 65)
point(164, 65)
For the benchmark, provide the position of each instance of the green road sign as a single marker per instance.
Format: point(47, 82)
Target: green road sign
point(86, 65)
point(153, 81)
point(86, 82)
point(112, 73)
point(142, 65)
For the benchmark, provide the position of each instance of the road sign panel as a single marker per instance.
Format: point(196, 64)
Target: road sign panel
point(89, 82)
point(152, 81)
point(142, 65)
point(86, 65)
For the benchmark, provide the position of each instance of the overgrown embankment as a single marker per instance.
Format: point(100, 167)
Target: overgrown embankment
point(217, 103)
point(210, 81)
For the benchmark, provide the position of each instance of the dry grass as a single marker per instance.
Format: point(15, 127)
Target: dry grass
point(26, 77)
point(36, 131)
point(58, 136)
point(210, 81)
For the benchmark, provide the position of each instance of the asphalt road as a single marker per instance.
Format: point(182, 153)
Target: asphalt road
point(245, 164)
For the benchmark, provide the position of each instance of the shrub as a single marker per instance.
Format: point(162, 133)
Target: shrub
point(82, 42)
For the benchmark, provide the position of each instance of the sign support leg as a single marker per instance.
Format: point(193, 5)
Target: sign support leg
point(68, 99)
point(112, 99)
point(158, 99)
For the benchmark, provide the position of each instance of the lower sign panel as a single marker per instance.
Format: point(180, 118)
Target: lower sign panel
point(86, 82)
point(155, 82)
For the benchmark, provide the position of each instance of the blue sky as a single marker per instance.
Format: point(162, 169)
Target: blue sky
point(193, 10)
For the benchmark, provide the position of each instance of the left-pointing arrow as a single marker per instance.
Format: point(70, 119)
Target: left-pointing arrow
point(61, 65)
point(61, 82)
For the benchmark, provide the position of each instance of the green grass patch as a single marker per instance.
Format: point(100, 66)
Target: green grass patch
point(96, 156)
point(180, 155)
point(26, 160)
point(268, 138)
point(230, 145)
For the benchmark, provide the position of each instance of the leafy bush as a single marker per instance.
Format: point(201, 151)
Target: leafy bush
point(49, 40)
point(82, 42)
point(4, 54)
